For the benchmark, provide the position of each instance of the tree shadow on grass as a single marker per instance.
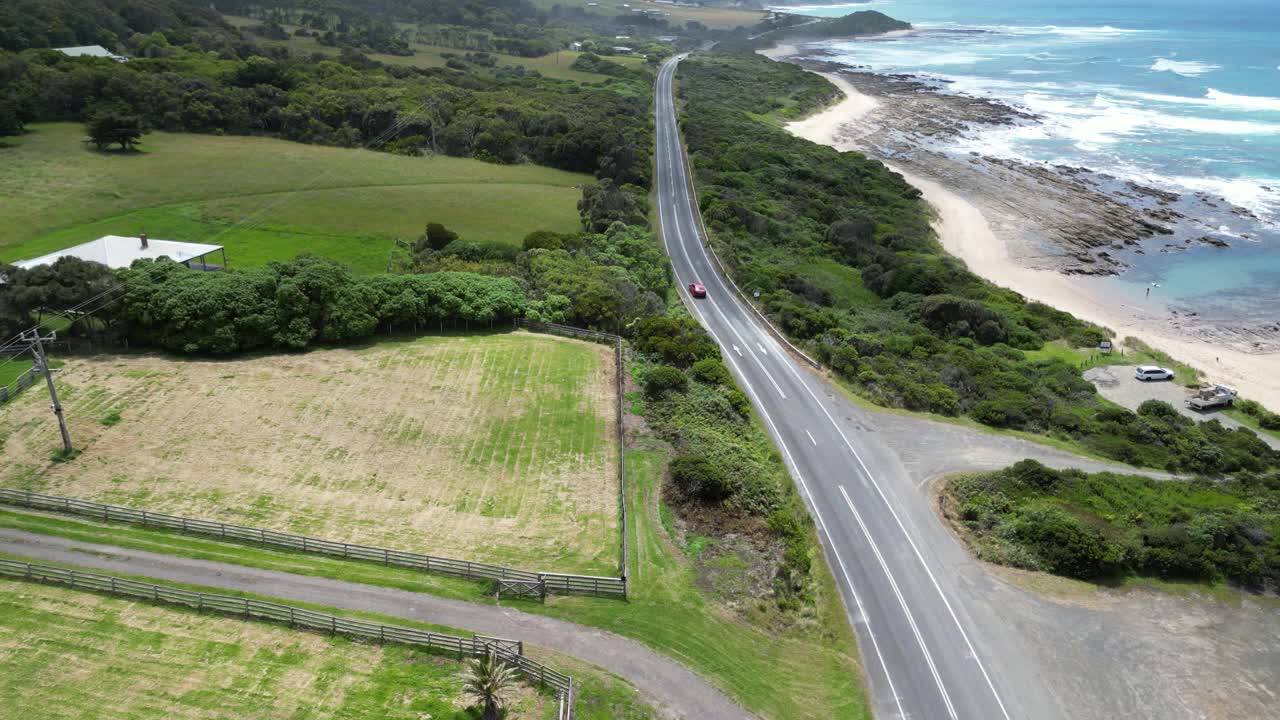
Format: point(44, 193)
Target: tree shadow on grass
point(115, 151)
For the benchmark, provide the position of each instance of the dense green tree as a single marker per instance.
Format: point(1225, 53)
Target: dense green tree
point(114, 125)
point(605, 203)
point(436, 237)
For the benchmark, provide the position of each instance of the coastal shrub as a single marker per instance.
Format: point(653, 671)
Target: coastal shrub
point(1091, 526)
point(1158, 409)
point(663, 378)
point(678, 341)
point(1064, 544)
point(699, 477)
point(711, 371)
point(1249, 407)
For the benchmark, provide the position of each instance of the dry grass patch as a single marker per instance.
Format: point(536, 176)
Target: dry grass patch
point(71, 654)
point(496, 447)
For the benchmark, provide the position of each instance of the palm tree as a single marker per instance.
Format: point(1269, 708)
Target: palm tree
point(488, 681)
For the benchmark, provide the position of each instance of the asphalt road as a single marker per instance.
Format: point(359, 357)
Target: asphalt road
point(916, 638)
point(668, 685)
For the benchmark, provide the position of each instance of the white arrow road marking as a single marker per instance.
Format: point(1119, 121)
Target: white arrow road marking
point(762, 350)
point(735, 349)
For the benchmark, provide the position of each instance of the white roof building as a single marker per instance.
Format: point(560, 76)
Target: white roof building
point(92, 51)
point(116, 251)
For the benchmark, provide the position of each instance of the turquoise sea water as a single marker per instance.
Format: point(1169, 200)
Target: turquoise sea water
point(1179, 94)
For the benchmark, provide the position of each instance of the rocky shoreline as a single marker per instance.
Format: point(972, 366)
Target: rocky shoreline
point(1068, 219)
point(1048, 231)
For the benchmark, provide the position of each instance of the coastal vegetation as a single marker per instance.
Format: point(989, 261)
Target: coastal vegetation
point(842, 254)
point(1104, 526)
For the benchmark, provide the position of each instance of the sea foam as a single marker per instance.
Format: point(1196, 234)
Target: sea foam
point(1185, 68)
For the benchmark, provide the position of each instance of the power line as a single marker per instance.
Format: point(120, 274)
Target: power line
point(31, 340)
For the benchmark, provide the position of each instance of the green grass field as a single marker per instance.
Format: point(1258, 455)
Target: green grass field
point(71, 654)
point(497, 448)
point(809, 669)
point(265, 199)
point(11, 369)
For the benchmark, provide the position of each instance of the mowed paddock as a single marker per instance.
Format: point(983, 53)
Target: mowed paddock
point(496, 447)
point(71, 654)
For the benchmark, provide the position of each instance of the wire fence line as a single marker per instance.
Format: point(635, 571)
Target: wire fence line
point(510, 651)
point(616, 342)
point(557, 583)
point(522, 583)
point(20, 383)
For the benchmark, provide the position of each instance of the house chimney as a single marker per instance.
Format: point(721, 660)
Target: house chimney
point(143, 237)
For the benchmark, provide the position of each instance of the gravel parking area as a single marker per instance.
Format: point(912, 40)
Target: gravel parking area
point(1117, 384)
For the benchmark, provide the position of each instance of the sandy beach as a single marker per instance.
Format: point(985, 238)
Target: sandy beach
point(966, 233)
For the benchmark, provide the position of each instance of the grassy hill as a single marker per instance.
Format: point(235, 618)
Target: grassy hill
point(265, 199)
point(863, 22)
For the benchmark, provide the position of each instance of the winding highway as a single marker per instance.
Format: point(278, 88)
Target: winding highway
point(920, 647)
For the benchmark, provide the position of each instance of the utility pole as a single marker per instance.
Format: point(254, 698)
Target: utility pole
point(42, 366)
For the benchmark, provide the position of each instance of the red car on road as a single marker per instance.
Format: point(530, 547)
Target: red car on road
point(697, 290)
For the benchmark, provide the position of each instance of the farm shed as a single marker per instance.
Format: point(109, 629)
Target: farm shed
point(118, 251)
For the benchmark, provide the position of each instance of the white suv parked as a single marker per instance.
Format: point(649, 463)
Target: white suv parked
point(1151, 372)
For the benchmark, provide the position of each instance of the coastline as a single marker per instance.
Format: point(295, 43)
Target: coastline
point(966, 232)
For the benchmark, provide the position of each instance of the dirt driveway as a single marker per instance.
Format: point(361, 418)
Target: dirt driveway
point(1117, 384)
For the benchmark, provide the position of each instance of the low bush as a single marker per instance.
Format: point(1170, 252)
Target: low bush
point(1093, 526)
point(663, 378)
point(698, 477)
point(711, 371)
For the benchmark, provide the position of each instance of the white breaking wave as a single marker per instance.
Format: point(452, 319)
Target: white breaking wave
point(1185, 68)
point(1244, 102)
point(894, 55)
point(1106, 120)
point(1103, 31)
point(1212, 98)
point(1249, 193)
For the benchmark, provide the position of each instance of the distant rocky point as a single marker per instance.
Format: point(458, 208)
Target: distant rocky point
point(861, 23)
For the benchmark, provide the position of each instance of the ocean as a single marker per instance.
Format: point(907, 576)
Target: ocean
point(1178, 94)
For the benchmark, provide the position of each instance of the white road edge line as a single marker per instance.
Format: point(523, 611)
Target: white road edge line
point(915, 549)
point(910, 541)
point(866, 619)
point(902, 601)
